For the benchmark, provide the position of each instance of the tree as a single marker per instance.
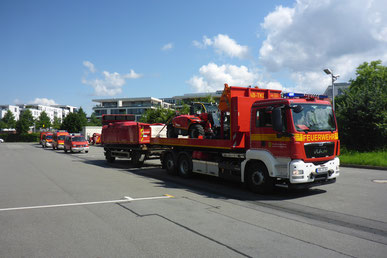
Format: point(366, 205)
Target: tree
point(25, 122)
point(43, 121)
point(184, 110)
point(56, 123)
point(9, 120)
point(158, 115)
point(72, 123)
point(82, 116)
point(362, 111)
point(94, 120)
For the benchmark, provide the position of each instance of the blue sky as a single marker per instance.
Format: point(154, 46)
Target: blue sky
point(70, 52)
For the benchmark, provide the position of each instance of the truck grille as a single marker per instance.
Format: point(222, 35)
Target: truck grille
point(319, 150)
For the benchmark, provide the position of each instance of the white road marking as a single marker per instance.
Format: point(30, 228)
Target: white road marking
point(127, 199)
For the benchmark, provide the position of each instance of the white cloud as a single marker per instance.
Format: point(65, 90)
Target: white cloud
point(44, 101)
point(168, 46)
point(213, 77)
point(317, 34)
point(111, 84)
point(90, 66)
point(223, 44)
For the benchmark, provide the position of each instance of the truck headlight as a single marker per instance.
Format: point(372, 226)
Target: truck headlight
point(297, 172)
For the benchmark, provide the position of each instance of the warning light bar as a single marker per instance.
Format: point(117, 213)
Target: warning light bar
point(292, 95)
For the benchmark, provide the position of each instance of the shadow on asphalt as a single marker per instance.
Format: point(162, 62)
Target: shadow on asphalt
point(209, 186)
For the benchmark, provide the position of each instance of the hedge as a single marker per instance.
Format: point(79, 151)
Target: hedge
point(32, 137)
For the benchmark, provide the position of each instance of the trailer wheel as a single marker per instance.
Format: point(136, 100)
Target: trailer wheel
point(108, 156)
point(184, 165)
point(137, 158)
point(195, 131)
point(258, 179)
point(169, 164)
point(171, 132)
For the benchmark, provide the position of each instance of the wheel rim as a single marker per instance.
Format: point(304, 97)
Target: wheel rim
point(170, 164)
point(184, 167)
point(257, 178)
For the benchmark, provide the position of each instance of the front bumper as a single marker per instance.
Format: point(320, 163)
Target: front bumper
point(48, 144)
point(60, 146)
point(79, 149)
point(309, 173)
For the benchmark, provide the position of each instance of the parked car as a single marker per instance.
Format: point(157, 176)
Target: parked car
point(47, 140)
point(76, 143)
point(58, 139)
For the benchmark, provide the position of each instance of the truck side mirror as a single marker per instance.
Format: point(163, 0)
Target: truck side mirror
point(276, 118)
point(298, 109)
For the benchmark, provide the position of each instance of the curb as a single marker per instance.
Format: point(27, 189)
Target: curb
point(363, 166)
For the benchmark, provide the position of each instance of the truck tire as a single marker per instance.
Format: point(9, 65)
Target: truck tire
point(258, 179)
point(195, 131)
point(171, 132)
point(109, 158)
point(137, 158)
point(169, 164)
point(184, 165)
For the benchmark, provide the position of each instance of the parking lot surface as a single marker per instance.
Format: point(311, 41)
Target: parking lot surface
point(54, 204)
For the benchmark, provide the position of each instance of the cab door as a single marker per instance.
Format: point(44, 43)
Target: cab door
point(263, 135)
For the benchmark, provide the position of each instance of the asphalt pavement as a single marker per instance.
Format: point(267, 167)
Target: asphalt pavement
point(54, 204)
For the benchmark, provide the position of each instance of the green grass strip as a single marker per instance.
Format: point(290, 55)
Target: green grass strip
point(376, 158)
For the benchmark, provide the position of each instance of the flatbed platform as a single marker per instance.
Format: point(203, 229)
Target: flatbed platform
point(192, 142)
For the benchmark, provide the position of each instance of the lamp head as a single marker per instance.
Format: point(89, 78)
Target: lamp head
point(327, 71)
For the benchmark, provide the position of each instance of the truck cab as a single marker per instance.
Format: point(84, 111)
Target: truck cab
point(296, 138)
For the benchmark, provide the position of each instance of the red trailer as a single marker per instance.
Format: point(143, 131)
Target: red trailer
point(264, 138)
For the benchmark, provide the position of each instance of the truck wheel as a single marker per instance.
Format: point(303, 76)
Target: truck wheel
point(138, 158)
point(258, 179)
point(109, 158)
point(171, 132)
point(184, 165)
point(169, 164)
point(195, 131)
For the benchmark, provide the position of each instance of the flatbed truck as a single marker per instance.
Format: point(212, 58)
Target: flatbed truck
point(265, 138)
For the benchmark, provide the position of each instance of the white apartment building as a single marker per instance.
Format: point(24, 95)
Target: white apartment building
point(14, 109)
point(59, 111)
point(134, 106)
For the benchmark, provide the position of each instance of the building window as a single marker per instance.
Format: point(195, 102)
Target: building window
point(100, 112)
point(109, 104)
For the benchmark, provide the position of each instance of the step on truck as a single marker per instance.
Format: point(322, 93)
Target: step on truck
point(261, 137)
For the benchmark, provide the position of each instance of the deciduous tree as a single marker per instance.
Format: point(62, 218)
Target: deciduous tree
point(362, 111)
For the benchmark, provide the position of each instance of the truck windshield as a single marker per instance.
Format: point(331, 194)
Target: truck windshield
point(78, 139)
point(211, 108)
point(49, 136)
point(314, 118)
point(61, 137)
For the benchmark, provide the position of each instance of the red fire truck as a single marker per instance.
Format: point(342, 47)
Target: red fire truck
point(264, 138)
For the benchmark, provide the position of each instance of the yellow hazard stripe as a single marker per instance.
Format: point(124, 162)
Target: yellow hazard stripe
point(298, 137)
point(269, 137)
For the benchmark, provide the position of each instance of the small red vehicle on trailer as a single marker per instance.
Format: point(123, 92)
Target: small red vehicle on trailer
point(265, 138)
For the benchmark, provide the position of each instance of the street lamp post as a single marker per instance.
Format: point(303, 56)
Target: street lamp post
point(334, 78)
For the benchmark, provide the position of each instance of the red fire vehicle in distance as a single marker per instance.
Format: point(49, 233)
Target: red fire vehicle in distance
point(75, 143)
point(47, 139)
point(58, 139)
point(266, 138)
